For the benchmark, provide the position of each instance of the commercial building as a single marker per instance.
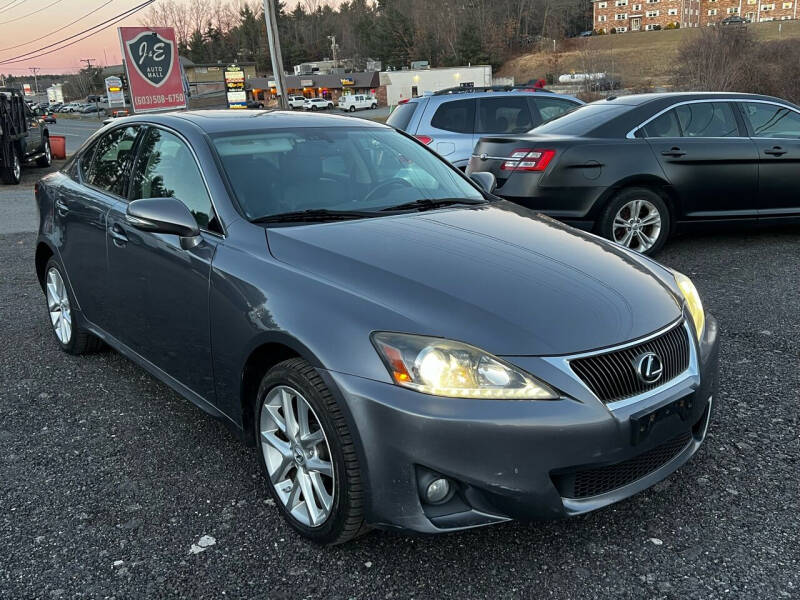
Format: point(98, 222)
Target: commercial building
point(330, 86)
point(621, 16)
point(405, 84)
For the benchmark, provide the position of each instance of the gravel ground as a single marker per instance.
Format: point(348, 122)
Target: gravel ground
point(109, 478)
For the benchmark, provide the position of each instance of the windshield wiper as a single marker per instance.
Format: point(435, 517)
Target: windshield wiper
point(431, 203)
point(315, 214)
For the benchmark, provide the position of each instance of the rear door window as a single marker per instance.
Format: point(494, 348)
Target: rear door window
point(457, 116)
point(111, 156)
point(550, 108)
point(506, 114)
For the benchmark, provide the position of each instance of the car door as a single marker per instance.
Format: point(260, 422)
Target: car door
point(775, 130)
point(452, 130)
point(96, 180)
point(159, 289)
point(707, 158)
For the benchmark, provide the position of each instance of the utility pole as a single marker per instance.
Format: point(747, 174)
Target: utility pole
point(88, 62)
point(35, 80)
point(275, 52)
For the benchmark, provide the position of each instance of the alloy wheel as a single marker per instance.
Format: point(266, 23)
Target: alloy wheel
point(17, 168)
point(48, 154)
point(297, 456)
point(58, 305)
point(637, 225)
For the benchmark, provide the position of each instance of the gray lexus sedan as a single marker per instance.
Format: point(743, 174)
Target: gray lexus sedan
point(404, 349)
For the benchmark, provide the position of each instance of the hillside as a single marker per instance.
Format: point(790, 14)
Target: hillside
point(639, 59)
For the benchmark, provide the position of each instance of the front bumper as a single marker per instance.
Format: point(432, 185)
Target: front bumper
point(509, 459)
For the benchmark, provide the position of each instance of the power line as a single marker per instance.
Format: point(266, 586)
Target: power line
point(38, 10)
point(103, 25)
point(102, 6)
point(8, 6)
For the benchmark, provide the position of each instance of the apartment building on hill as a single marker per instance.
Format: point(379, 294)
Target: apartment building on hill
point(622, 16)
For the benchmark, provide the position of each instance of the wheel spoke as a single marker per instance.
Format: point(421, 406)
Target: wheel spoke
point(317, 465)
point(626, 240)
point(651, 219)
point(283, 447)
point(302, 419)
point(308, 497)
point(325, 499)
point(310, 440)
point(288, 414)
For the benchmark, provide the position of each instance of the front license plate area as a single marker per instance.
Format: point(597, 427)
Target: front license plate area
point(644, 422)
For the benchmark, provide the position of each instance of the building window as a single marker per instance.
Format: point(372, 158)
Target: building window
point(637, 7)
point(621, 17)
point(712, 12)
point(767, 7)
point(653, 13)
point(622, 29)
point(787, 5)
point(602, 5)
point(622, 2)
point(672, 12)
point(602, 19)
point(734, 10)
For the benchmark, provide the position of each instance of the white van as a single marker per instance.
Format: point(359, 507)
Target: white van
point(352, 102)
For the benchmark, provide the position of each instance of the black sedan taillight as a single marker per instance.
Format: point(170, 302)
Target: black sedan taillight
point(528, 159)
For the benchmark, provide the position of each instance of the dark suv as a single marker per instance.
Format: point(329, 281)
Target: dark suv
point(24, 138)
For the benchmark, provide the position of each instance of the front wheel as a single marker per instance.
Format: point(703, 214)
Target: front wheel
point(47, 158)
point(308, 455)
point(374, 106)
point(637, 218)
point(352, 109)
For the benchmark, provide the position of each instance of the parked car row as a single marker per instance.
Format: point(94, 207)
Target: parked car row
point(405, 349)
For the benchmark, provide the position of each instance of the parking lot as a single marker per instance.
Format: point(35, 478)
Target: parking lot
point(110, 480)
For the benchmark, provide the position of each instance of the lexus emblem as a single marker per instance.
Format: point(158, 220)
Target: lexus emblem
point(649, 367)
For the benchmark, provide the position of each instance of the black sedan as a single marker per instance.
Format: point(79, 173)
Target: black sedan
point(405, 350)
point(636, 168)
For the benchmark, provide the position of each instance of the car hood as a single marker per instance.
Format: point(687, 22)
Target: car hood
point(497, 276)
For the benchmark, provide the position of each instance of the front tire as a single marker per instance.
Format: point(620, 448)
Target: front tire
point(374, 106)
point(13, 174)
point(47, 159)
point(637, 218)
point(308, 455)
point(69, 334)
point(352, 109)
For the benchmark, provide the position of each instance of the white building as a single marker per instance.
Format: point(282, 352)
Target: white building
point(401, 85)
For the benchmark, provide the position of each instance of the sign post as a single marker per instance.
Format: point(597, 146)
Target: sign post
point(153, 69)
point(234, 87)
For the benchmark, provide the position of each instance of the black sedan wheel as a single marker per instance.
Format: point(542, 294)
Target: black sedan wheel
point(71, 336)
point(636, 218)
point(307, 454)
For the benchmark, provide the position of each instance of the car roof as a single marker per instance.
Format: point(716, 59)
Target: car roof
point(640, 99)
point(216, 121)
point(459, 95)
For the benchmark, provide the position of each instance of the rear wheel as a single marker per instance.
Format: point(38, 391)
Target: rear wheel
point(13, 174)
point(307, 454)
point(637, 218)
point(47, 158)
point(71, 336)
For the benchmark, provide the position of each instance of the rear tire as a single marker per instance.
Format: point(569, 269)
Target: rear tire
point(12, 175)
point(637, 218)
point(291, 385)
point(69, 333)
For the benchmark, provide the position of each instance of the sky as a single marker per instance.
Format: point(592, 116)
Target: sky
point(18, 29)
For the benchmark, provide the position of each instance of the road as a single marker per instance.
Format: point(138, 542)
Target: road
point(75, 130)
point(109, 477)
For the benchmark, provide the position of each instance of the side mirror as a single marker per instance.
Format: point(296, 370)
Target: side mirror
point(164, 215)
point(486, 181)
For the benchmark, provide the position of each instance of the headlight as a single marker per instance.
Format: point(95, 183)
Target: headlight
point(693, 302)
point(445, 368)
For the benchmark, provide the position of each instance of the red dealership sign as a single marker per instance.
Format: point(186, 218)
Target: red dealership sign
point(153, 67)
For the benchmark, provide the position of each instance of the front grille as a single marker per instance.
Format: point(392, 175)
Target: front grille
point(612, 375)
point(593, 482)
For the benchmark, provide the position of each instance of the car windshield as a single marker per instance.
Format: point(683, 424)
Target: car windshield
point(368, 169)
point(583, 119)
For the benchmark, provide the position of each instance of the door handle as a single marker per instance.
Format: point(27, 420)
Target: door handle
point(674, 152)
point(118, 235)
point(61, 207)
point(775, 151)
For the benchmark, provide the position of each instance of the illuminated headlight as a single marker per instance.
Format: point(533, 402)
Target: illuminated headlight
point(693, 302)
point(446, 368)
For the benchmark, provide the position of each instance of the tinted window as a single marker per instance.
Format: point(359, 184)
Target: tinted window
point(457, 116)
point(550, 108)
point(699, 119)
point(364, 168)
point(584, 119)
point(506, 114)
point(664, 126)
point(769, 120)
point(401, 116)
point(110, 160)
point(166, 168)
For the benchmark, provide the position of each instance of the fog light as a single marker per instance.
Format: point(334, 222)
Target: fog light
point(437, 491)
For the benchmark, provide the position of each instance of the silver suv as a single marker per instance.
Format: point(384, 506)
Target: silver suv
point(452, 121)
